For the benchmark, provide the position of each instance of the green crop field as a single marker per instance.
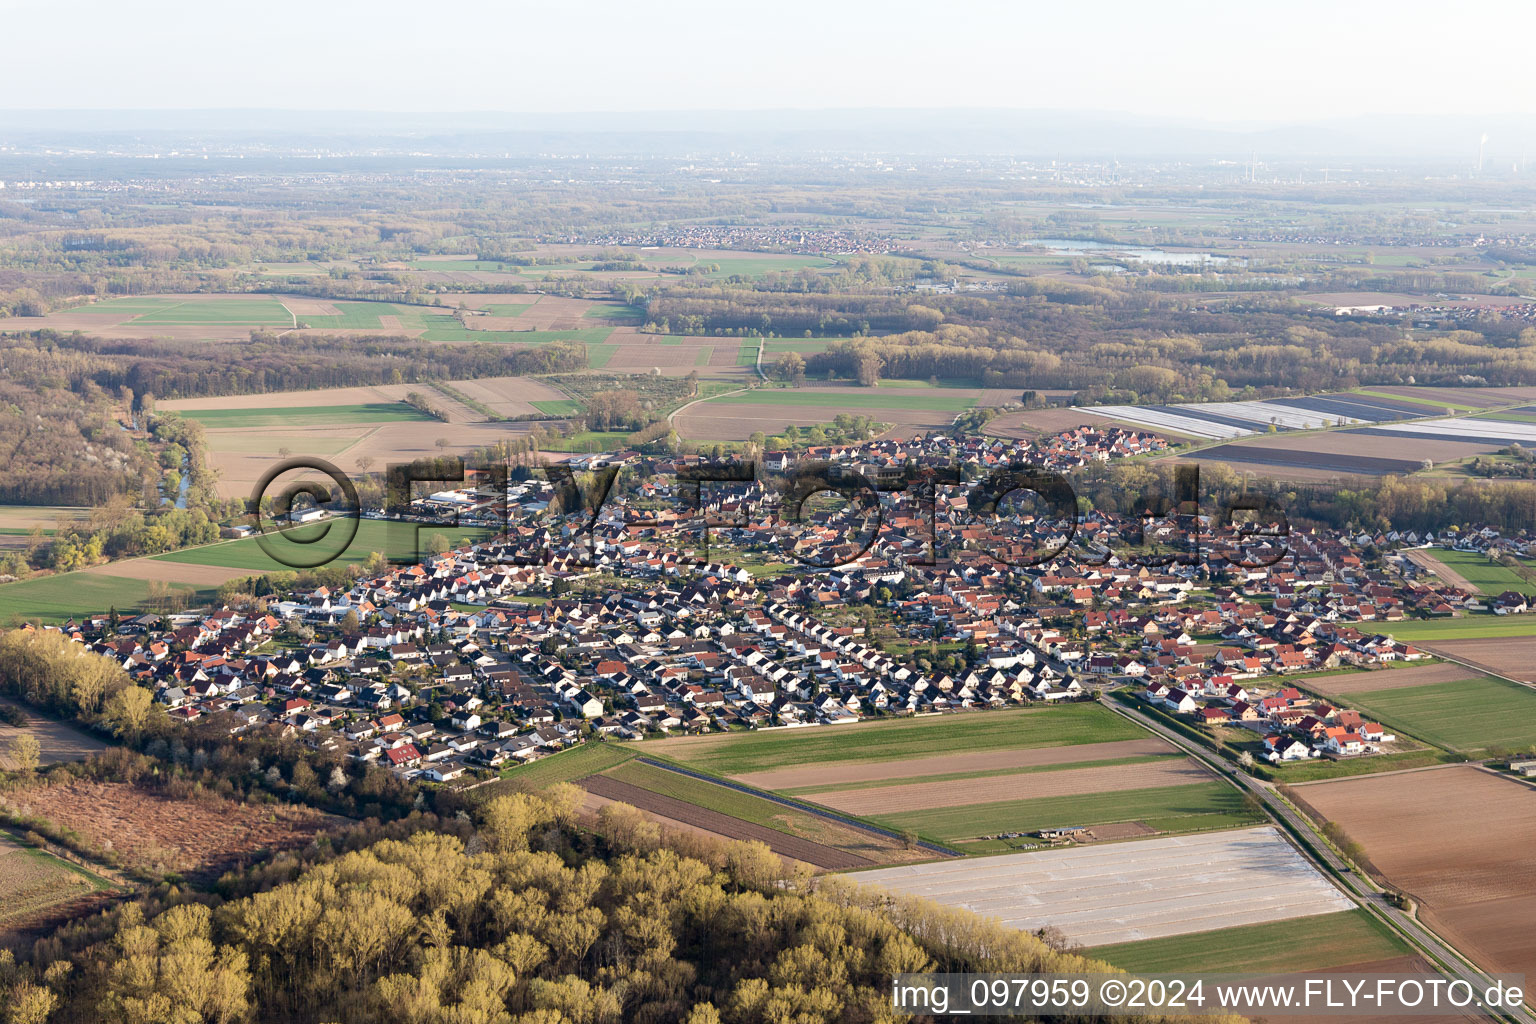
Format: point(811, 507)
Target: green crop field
point(557, 406)
point(805, 346)
point(394, 539)
point(615, 314)
point(306, 415)
point(838, 398)
point(1473, 626)
point(1188, 808)
point(1021, 728)
point(569, 765)
point(508, 308)
point(1469, 715)
point(1489, 577)
point(70, 595)
point(757, 266)
point(1299, 944)
point(170, 310)
point(217, 311)
point(746, 354)
point(1425, 400)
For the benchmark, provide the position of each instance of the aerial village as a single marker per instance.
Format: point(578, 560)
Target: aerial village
point(548, 634)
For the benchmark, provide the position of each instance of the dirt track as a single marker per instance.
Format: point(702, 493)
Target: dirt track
point(916, 768)
point(1022, 786)
point(723, 824)
point(1457, 839)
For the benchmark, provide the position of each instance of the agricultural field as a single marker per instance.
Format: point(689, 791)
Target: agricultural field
point(1300, 459)
point(1468, 715)
point(1186, 807)
point(956, 779)
point(35, 884)
point(758, 264)
point(801, 835)
point(1512, 656)
point(566, 766)
point(1031, 423)
point(246, 433)
point(735, 417)
point(153, 832)
point(57, 741)
point(1455, 839)
point(1487, 576)
point(510, 397)
point(1492, 433)
point(1347, 683)
point(1299, 944)
point(392, 538)
point(255, 311)
point(1326, 455)
point(195, 572)
point(1059, 781)
point(50, 599)
point(964, 763)
point(740, 754)
point(847, 399)
point(1218, 420)
point(306, 416)
point(1483, 625)
point(1123, 892)
point(19, 520)
point(187, 317)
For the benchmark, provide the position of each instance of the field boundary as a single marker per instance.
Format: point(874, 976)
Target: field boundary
point(821, 812)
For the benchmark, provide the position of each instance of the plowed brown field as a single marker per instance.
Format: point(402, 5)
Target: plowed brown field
point(979, 761)
point(1457, 839)
point(1388, 679)
point(1021, 786)
point(1512, 656)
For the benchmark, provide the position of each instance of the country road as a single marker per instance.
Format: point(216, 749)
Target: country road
point(1359, 888)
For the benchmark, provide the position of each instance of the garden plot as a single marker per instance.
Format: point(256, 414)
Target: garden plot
point(1149, 889)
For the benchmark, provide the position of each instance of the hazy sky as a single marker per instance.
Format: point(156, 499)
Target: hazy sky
point(1223, 61)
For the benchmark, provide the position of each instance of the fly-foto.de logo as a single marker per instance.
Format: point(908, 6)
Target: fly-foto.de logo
point(815, 514)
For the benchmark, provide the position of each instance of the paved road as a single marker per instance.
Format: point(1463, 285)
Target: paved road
point(1361, 889)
